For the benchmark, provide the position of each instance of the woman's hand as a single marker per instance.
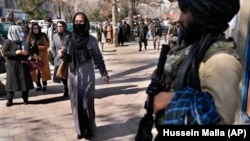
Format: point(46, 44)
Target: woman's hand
point(161, 101)
point(106, 79)
point(60, 53)
point(19, 52)
point(25, 53)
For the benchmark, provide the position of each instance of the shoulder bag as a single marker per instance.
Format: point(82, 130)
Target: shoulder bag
point(62, 71)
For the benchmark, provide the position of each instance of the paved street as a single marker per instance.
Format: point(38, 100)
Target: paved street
point(118, 105)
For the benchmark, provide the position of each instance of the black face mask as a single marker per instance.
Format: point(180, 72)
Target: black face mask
point(79, 27)
point(60, 33)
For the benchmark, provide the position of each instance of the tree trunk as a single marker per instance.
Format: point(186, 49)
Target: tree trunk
point(130, 17)
point(114, 19)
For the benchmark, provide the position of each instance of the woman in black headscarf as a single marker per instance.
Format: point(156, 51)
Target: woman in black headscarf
point(80, 48)
point(38, 46)
point(18, 75)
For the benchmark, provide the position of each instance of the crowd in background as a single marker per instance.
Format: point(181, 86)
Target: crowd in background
point(153, 30)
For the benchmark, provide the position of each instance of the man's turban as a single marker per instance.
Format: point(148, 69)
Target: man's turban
point(213, 15)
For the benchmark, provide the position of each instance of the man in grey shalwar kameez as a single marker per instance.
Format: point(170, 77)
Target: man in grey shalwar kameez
point(81, 47)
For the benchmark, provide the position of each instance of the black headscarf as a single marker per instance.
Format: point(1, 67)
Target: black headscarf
point(79, 39)
point(36, 35)
point(35, 39)
point(213, 16)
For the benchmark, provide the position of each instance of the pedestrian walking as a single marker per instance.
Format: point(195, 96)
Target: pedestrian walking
point(79, 50)
point(109, 29)
point(56, 44)
point(142, 31)
point(128, 32)
point(38, 44)
point(121, 33)
point(156, 33)
point(51, 29)
point(105, 31)
point(99, 31)
point(18, 75)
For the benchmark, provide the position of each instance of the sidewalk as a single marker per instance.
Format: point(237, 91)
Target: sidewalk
point(118, 105)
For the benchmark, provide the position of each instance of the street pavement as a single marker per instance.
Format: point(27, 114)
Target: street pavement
point(118, 105)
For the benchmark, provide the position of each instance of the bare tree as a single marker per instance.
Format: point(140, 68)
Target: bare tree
point(69, 10)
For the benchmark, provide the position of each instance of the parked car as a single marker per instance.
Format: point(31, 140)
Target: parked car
point(43, 28)
point(2, 60)
point(4, 28)
point(70, 26)
point(92, 26)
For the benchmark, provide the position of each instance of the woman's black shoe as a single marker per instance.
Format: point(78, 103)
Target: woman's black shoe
point(88, 135)
point(44, 88)
point(65, 94)
point(38, 89)
point(79, 137)
point(8, 104)
point(26, 102)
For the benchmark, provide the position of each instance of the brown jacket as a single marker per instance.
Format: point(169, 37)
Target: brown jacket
point(43, 56)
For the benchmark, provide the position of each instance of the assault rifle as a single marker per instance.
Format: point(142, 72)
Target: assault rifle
point(146, 123)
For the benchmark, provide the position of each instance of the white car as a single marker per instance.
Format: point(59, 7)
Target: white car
point(44, 28)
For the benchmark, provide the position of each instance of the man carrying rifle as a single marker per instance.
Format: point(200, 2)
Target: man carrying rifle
point(206, 86)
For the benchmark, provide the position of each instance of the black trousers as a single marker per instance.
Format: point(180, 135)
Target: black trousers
point(10, 96)
point(64, 81)
point(38, 83)
point(145, 42)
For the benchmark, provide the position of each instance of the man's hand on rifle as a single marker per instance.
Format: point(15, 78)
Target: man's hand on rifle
point(161, 101)
point(154, 87)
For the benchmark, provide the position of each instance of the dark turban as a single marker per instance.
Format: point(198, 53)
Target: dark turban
point(213, 15)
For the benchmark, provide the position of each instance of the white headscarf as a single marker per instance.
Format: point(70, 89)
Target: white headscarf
point(16, 33)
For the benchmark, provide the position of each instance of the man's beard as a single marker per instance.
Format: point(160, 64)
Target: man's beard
point(191, 33)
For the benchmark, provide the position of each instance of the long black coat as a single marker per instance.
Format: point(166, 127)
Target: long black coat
point(18, 74)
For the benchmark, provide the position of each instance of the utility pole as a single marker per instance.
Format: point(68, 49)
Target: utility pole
point(114, 19)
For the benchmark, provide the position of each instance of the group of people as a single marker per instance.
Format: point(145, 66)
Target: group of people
point(123, 33)
point(153, 29)
point(203, 92)
point(106, 30)
point(78, 48)
point(17, 50)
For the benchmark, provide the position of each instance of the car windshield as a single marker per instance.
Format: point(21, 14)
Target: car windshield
point(6, 26)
